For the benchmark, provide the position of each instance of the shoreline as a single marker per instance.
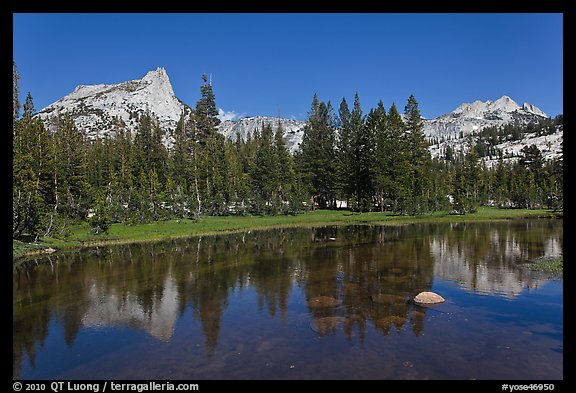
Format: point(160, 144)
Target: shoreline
point(119, 233)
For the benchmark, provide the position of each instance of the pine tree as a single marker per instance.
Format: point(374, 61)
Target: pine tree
point(15, 92)
point(206, 114)
point(316, 157)
point(149, 151)
point(289, 191)
point(180, 154)
point(362, 159)
point(466, 186)
point(419, 157)
point(123, 180)
point(207, 152)
point(393, 162)
point(234, 187)
point(71, 173)
point(32, 181)
point(343, 163)
point(378, 123)
point(100, 221)
point(213, 172)
point(265, 173)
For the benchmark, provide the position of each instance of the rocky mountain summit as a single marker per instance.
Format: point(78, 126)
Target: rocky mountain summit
point(453, 130)
point(95, 108)
point(475, 116)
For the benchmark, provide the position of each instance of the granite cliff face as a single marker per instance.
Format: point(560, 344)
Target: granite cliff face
point(96, 108)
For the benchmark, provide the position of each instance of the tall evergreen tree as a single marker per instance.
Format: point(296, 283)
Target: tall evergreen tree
point(266, 173)
point(208, 153)
point(206, 114)
point(71, 168)
point(362, 159)
point(316, 158)
point(180, 154)
point(289, 190)
point(213, 172)
point(419, 157)
point(378, 123)
point(394, 162)
point(149, 151)
point(32, 181)
point(466, 187)
point(343, 162)
point(15, 92)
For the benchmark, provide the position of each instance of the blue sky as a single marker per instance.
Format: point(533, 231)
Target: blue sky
point(273, 64)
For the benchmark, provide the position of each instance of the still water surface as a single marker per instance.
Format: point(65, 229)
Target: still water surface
point(324, 303)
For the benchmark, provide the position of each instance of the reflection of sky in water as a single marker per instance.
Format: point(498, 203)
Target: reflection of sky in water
point(229, 310)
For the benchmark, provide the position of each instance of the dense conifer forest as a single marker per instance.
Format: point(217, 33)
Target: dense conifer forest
point(374, 161)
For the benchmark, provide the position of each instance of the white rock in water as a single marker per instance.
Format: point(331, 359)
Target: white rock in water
point(428, 298)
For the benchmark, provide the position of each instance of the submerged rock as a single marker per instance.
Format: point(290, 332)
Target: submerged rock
point(326, 325)
point(387, 322)
point(428, 298)
point(323, 301)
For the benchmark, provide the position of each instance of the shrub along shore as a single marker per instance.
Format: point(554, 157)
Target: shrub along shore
point(81, 235)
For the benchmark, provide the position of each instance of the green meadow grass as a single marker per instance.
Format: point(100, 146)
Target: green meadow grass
point(81, 236)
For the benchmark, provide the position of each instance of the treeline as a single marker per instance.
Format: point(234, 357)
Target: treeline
point(378, 161)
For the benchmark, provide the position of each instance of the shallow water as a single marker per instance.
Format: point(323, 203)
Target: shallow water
point(324, 303)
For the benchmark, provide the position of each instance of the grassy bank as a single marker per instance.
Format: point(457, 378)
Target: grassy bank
point(120, 233)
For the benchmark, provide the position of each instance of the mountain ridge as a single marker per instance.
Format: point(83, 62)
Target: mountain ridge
point(95, 109)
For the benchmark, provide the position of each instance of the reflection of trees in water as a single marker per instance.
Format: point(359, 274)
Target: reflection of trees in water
point(372, 272)
point(375, 275)
point(35, 304)
point(29, 330)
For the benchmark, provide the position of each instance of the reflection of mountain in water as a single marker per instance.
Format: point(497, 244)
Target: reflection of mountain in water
point(107, 308)
point(485, 260)
point(371, 272)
